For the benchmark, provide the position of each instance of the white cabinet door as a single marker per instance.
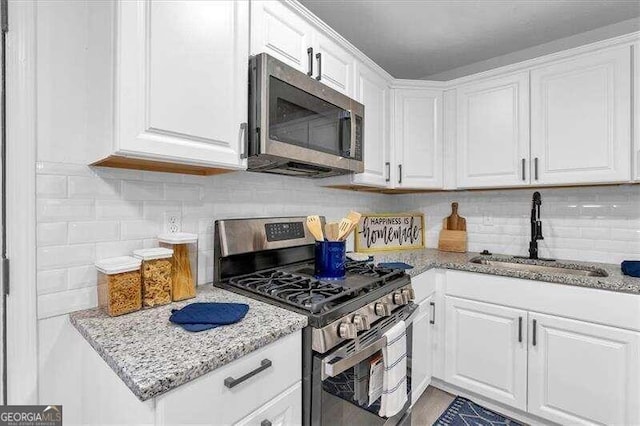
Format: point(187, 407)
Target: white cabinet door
point(283, 410)
point(583, 373)
point(334, 65)
point(580, 119)
point(283, 34)
point(181, 81)
point(486, 350)
point(493, 132)
point(418, 138)
point(373, 92)
point(422, 349)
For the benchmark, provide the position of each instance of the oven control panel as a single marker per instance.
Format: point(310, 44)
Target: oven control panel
point(284, 231)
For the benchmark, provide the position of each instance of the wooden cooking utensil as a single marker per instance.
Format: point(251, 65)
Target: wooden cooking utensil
point(315, 227)
point(345, 228)
point(331, 231)
point(354, 217)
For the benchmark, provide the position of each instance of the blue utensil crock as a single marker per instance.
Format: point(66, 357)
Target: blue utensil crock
point(330, 260)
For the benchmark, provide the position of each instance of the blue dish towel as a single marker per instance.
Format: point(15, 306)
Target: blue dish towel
point(395, 265)
point(631, 268)
point(204, 316)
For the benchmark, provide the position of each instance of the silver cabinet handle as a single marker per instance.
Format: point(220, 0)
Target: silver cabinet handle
point(520, 329)
point(433, 313)
point(319, 58)
point(388, 166)
point(230, 382)
point(399, 173)
point(534, 340)
point(244, 127)
point(310, 55)
point(523, 171)
point(535, 167)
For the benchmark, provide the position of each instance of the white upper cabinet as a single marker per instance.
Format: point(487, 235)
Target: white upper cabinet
point(493, 132)
point(181, 81)
point(417, 138)
point(283, 34)
point(580, 119)
point(373, 92)
point(334, 65)
point(486, 350)
point(583, 373)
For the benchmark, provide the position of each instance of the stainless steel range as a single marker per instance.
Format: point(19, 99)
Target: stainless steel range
point(272, 259)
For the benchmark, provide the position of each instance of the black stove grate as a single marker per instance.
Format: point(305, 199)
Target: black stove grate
point(308, 293)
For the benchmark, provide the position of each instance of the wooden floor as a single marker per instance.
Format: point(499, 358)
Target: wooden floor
point(430, 406)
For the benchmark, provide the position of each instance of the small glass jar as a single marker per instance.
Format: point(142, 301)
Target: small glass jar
point(156, 275)
point(119, 285)
point(184, 274)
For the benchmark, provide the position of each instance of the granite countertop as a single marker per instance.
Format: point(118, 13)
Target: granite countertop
point(425, 259)
point(152, 355)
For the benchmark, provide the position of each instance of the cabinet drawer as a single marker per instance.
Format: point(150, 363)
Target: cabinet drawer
point(207, 400)
point(284, 410)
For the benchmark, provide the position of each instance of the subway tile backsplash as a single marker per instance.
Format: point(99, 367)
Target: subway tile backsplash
point(86, 213)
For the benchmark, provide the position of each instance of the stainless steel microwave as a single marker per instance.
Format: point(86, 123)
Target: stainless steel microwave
point(299, 126)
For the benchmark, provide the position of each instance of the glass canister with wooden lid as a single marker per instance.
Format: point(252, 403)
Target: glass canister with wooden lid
point(119, 285)
point(156, 275)
point(184, 275)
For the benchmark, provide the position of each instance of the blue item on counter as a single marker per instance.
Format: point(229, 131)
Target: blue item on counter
point(395, 265)
point(631, 268)
point(205, 315)
point(330, 260)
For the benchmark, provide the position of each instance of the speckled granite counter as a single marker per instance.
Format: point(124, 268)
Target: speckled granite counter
point(425, 259)
point(152, 355)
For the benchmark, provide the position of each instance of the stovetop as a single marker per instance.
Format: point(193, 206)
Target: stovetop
point(295, 286)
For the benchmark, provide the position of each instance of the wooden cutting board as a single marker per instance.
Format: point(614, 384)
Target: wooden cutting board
point(453, 236)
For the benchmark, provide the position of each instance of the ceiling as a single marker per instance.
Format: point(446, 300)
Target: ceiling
point(416, 39)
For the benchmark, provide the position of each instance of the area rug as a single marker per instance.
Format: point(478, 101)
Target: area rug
point(463, 412)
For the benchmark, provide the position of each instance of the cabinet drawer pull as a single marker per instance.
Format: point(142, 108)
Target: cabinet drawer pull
point(433, 313)
point(523, 171)
point(535, 168)
point(520, 329)
point(319, 58)
point(534, 340)
point(231, 382)
point(388, 166)
point(244, 128)
point(399, 173)
point(265, 422)
point(310, 54)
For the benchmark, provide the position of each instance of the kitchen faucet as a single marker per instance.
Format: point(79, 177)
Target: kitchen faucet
point(536, 226)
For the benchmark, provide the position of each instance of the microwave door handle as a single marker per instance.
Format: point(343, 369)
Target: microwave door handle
point(352, 147)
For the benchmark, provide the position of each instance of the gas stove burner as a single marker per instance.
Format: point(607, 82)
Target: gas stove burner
point(298, 290)
point(366, 268)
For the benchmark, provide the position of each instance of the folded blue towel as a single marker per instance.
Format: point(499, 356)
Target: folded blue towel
point(204, 316)
point(631, 268)
point(395, 265)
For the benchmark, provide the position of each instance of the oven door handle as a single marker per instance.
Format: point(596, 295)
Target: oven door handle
point(332, 369)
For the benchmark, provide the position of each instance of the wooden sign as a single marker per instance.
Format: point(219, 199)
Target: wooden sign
point(381, 232)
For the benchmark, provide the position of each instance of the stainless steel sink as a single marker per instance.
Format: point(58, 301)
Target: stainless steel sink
point(550, 269)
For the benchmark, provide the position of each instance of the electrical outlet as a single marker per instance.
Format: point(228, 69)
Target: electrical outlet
point(172, 222)
point(487, 220)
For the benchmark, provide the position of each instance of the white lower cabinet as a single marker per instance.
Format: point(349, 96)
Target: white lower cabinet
point(486, 350)
point(209, 399)
point(422, 348)
point(583, 373)
point(283, 410)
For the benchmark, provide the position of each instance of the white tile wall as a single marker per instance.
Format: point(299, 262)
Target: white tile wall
point(87, 213)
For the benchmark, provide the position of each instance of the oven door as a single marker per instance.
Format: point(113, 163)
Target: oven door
point(302, 120)
point(341, 383)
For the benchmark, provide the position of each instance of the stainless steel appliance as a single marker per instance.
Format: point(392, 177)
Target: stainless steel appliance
point(271, 260)
point(298, 126)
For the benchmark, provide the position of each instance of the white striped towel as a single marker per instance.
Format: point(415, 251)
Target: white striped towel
point(394, 395)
